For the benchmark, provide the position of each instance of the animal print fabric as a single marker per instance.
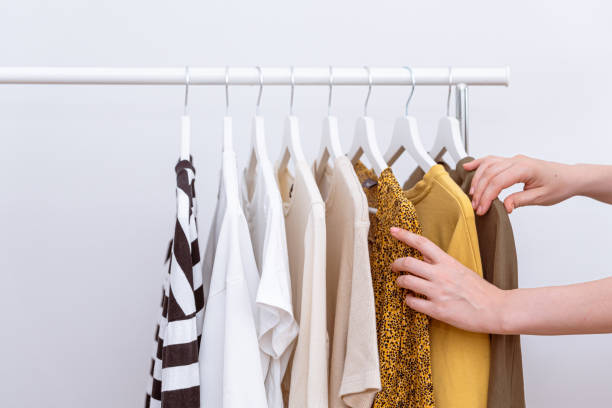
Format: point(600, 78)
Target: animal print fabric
point(403, 334)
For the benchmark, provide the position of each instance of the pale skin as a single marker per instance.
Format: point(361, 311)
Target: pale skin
point(458, 296)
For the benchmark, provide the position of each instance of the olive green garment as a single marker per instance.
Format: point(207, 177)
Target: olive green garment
point(499, 264)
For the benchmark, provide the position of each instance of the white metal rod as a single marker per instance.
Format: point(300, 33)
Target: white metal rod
point(250, 76)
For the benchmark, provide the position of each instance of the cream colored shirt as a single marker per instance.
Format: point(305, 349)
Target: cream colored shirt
point(306, 384)
point(354, 374)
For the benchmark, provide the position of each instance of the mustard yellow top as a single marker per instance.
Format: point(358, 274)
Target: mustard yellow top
point(403, 334)
point(460, 359)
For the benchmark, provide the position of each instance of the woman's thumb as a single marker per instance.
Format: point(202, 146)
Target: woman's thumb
point(521, 199)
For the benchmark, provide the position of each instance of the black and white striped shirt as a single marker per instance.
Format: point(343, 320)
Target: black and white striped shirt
point(175, 376)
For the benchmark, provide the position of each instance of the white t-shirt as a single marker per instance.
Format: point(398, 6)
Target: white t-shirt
point(230, 362)
point(277, 329)
point(305, 226)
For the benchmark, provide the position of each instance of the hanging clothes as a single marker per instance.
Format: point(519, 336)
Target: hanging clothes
point(354, 374)
point(499, 267)
point(153, 395)
point(175, 378)
point(277, 328)
point(230, 362)
point(403, 334)
point(460, 359)
point(306, 384)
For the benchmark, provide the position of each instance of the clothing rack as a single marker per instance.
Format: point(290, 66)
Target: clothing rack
point(459, 77)
point(250, 76)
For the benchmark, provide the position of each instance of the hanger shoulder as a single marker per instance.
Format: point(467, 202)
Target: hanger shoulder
point(406, 137)
point(448, 139)
point(401, 129)
point(259, 151)
point(291, 145)
point(356, 150)
point(228, 144)
point(330, 144)
point(364, 142)
point(259, 139)
point(331, 137)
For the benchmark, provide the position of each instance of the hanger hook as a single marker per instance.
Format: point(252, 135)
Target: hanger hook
point(292, 91)
point(331, 83)
point(187, 80)
point(227, 91)
point(450, 87)
point(412, 89)
point(365, 105)
point(261, 81)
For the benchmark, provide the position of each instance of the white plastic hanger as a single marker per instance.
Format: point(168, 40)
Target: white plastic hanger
point(406, 138)
point(185, 124)
point(330, 139)
point(364, 139)
point(228, 144)
point(259, 152)
point(448, 138)
point(291, 146)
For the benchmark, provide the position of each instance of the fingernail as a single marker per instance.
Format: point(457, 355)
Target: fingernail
point(471, 190)
point(479, 211)
point(474, 204)
point(394, 230)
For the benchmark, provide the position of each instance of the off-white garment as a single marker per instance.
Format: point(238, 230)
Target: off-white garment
point(306, 380)
point(354, 374)
point(230, 363)
point(277, 329)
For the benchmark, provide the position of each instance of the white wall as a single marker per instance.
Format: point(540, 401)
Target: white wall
point(86, 172)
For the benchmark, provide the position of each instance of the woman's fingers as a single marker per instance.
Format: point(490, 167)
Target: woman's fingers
point(413, 266)
point(486, 163)
point(485, 179)
point(421, 305)
point(502, 180)
point(430, 251)
point(415, 284)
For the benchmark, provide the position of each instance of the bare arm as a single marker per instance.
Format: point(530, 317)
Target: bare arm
point(458, 296)
point(581, 308)
point(545, 183)
point(596, 181)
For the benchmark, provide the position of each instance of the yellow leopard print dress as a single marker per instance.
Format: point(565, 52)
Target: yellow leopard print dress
point(403, 334)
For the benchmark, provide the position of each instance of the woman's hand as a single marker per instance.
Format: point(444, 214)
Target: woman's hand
point(546, 183)
point(454, 294)
point(458, 296)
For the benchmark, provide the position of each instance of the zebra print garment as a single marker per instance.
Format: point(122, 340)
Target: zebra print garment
point(175, 376)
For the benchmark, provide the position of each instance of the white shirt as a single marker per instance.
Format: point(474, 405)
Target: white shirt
point(277, 328)
point(230, 363)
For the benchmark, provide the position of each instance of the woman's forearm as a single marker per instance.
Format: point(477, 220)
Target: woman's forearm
point(456, 295)
point(581, 308)
point(593, 180)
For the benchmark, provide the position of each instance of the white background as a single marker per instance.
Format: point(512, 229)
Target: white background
point(86, 172)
